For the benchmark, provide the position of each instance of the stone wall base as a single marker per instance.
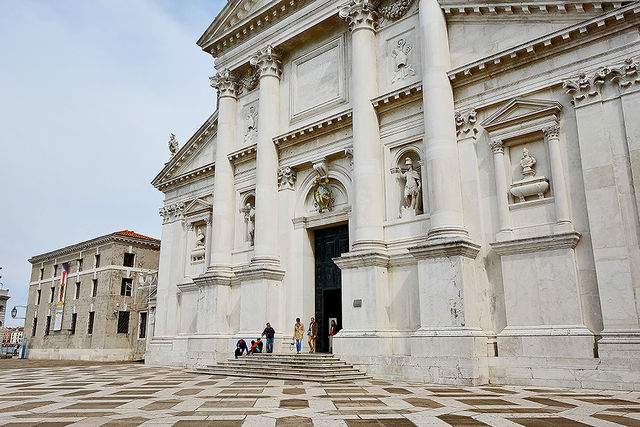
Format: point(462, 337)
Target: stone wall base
point(94, 355)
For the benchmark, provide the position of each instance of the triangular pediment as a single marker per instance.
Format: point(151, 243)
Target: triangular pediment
point(520, 110)
point(232, 15)
point(198, 205)
point(195, 154)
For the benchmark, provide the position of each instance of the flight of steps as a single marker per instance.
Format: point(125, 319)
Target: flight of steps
point(305, 367)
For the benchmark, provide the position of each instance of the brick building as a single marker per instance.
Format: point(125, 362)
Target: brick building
point(103, 312)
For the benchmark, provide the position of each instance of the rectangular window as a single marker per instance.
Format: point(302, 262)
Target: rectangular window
point(47, 326)
point(53, 294)
point(94, 291)
point(142, 325)
point(123, 322)
point(35, 325)
point(42, 273)
point(39, 295)
point(125, 287)
point(79, 264)
point(90, 324)
point(55, 270)
point(128, 260)
point(96, 260)
point(74, 318)
point(77, 290)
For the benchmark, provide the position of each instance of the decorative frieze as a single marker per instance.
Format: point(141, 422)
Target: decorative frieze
point(268, 62)
point(226, 83)
point(466, 124)
point(286, 178)
point(172, 212)
point(360, 14)
point(394, 9)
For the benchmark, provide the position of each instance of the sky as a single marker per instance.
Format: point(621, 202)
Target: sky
point(89, 93)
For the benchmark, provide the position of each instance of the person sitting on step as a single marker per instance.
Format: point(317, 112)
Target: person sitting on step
point(241, 347)
point(260, 345)
point(253, 349)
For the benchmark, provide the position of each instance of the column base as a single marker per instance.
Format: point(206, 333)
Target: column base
point(619, 344)
point(549, 341)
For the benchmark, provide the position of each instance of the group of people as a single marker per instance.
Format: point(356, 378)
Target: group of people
point(298, 335)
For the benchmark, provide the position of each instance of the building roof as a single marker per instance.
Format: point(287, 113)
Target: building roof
point(124, 236)
point(130, 233)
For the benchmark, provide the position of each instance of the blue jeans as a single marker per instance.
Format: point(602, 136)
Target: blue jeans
point(298, 345)
point(269, 345)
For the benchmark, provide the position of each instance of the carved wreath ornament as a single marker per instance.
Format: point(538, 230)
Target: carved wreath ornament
point(322, 195)
point(394, 9)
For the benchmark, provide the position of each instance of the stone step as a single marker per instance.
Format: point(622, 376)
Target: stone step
point(306, 367)
point(278, 376)
point(305, 370)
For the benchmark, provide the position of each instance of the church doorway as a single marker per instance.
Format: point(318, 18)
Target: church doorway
point(329, 243)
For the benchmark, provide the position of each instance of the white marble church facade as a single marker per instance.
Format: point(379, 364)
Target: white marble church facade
point(470, 167)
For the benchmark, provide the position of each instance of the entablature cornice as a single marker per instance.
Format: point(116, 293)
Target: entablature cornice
point(244, 154)
point(201, 172)
point(557, 40)
point(457, 8)
point(402, 95)
point(314, 130)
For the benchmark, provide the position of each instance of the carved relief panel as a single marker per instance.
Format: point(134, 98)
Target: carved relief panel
point(400, 56)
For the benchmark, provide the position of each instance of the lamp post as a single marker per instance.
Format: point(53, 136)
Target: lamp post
point(14, 315)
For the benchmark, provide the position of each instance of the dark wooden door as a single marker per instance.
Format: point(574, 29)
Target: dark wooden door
point(329, 243)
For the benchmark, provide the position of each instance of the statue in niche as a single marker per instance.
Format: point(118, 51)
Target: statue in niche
point(412, 187)
point(250, 218)
point(252, 125)
point(527, 162)
point(173, 145)
point(200, 239)
point(399, 54)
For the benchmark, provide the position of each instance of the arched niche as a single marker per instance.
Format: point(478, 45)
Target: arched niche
point(400, 191)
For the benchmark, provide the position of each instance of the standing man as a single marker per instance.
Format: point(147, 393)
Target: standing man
point(298, 333)
point(313, 334)
point(269, 333)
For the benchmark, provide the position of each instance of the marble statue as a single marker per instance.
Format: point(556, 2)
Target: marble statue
point(412, 185)
point(527, 162)
point(173, 145)
point(250, 218)
point(200, 239)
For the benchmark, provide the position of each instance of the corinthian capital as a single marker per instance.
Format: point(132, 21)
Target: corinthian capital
point(497, 146)
point(268, 62)
point(551, 132)
point(226, 83)
point(360, 14)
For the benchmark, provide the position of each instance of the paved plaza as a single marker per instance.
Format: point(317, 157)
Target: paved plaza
point(47, 393)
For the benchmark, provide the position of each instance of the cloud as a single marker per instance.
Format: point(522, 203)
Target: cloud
point(89, 92)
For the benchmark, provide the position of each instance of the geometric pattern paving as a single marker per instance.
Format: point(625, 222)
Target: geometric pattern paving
point(47, 393)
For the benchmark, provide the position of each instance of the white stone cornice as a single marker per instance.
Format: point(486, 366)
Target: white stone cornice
point(226, 83)
point(536, 244)
point(201, 172)
point(488, 8)
point(243, 154)
point(403, 94)
point(360, 14)
point(533, 49)
point(313, 130)
point(359, 259)
point(268, 62)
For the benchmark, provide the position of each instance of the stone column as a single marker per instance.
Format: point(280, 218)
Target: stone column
point(261, 282)
point(560, 194)
point(441, 151)
point(207, 242)
point(368, 179)
point(497, 147)
point(269, 65)
point(223, 187)
point(188, 238)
